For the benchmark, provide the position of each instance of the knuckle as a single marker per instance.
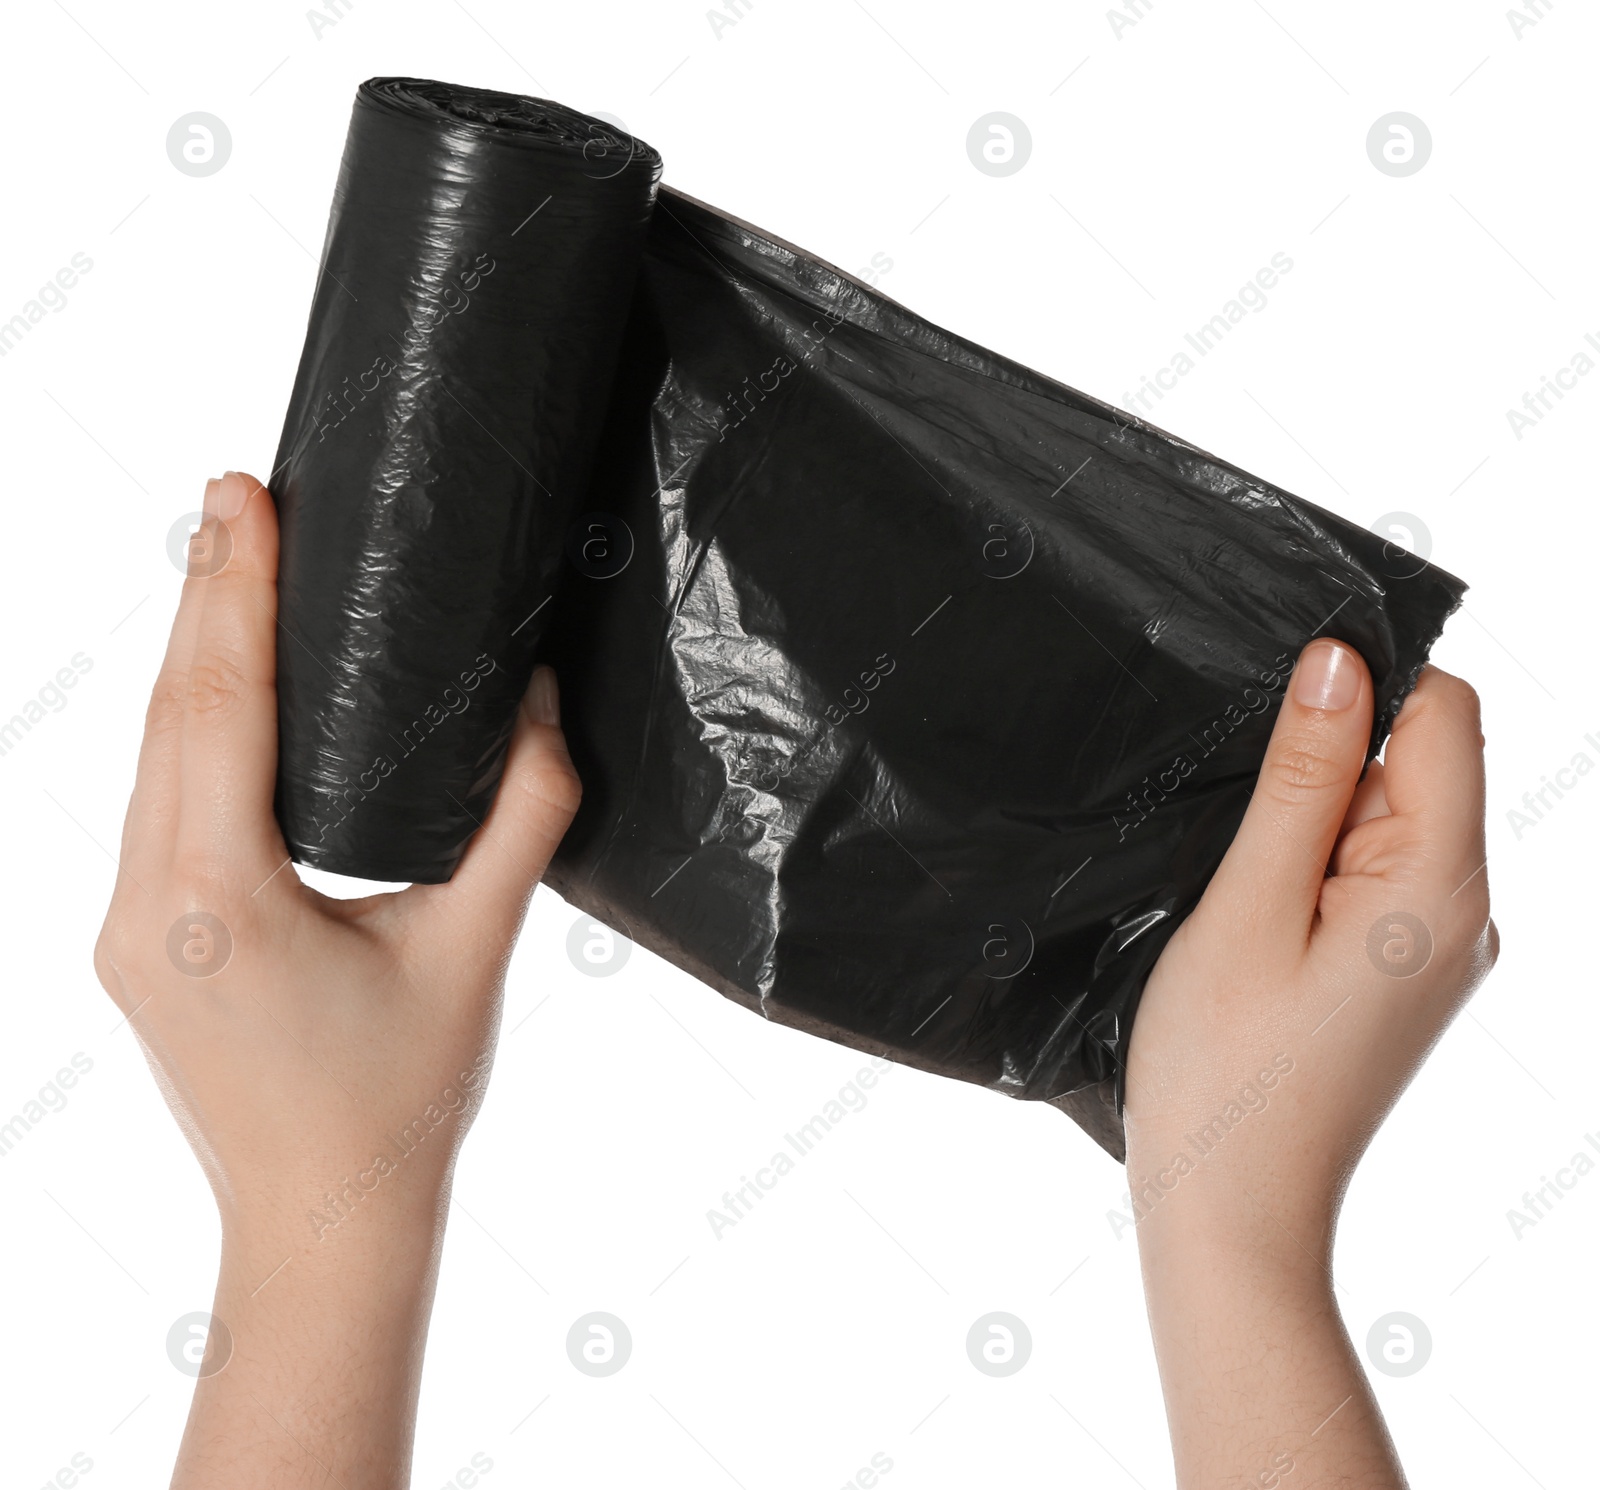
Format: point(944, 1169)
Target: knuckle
point(215, 685)
point(108, 958)
point(168, 700)
point(1446, 692)
point(1476, 923)
point(1301, 769)
point(1470, 922)
point(1461, 697)
point(197, 878)
point(555, 787)
point(126, 953)
point(139, 944)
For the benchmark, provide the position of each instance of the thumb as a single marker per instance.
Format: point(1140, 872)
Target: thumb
point(1280, 855)
point(538, 795)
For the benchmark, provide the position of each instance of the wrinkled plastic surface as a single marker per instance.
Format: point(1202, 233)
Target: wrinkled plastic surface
point(916, 697)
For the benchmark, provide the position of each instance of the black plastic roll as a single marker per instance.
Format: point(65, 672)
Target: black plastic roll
point(475, 281)
point(916, 696)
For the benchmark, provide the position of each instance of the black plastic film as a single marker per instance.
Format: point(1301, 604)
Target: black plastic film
point(475, 283)
point(916, 697)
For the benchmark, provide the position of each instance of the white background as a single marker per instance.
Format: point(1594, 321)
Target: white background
point(1179, 155)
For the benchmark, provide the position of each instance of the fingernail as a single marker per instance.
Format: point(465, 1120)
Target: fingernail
point(1326, 678)
point(213, 491)
point(544, 701)
point(234, 493)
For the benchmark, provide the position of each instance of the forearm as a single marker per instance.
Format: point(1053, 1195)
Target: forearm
point(328, 1066)
point(1262, 1385)
point(327, 1347)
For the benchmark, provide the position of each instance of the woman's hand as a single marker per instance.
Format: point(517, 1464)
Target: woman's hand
point(1346, 926)
point(323, 1057)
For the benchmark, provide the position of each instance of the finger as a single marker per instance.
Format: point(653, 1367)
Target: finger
point(229, 690)
point(1355, 851)
point(1369, 801)
point(1280, 855)
point(509, 853)
point(149, 830)
point(1434, 776)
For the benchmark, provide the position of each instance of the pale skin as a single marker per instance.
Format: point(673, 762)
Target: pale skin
point(1271, 971)
point(334, 1024)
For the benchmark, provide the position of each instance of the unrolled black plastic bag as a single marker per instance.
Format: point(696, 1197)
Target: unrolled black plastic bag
point(916, 697)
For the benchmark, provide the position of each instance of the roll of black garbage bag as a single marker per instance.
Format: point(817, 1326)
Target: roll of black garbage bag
point(474, 286)
point(916, 696)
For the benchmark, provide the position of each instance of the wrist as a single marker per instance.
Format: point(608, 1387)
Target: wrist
point(380, 1199)
point(313, 1362)
point(341, 1256)
point(348, 1254)
point(1231, 1219)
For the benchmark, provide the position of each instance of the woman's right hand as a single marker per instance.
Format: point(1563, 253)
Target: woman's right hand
point(1346, 926)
